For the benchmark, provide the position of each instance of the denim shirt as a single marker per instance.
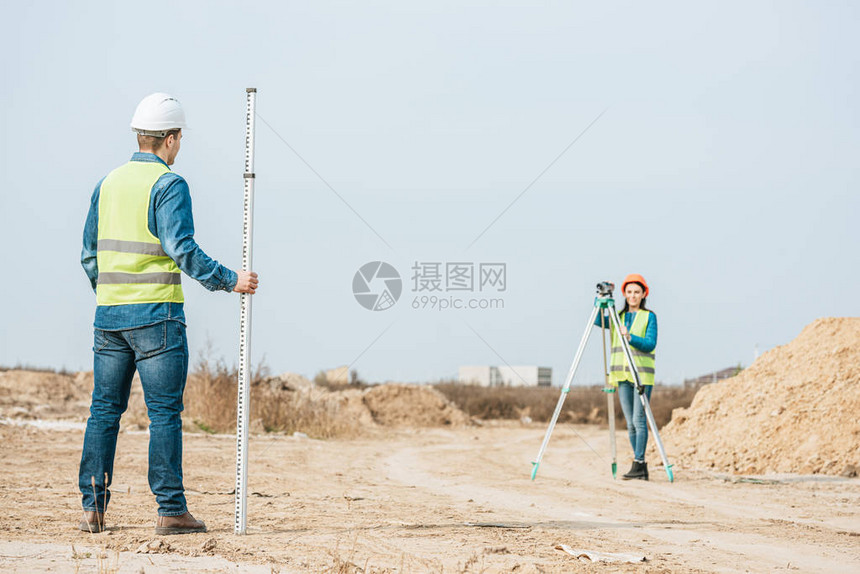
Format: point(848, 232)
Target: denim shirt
point(645, 344)
point(171, 221)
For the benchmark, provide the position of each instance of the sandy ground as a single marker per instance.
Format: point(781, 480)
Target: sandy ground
point(435, 500)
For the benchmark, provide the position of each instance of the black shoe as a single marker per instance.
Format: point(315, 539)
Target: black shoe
point(634, 470)
point(638, 471)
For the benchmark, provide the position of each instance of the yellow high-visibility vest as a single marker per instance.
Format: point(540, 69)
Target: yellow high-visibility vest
point(133, 268)
point(618, 369)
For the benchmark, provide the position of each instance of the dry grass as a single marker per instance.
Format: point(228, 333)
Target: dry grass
point(315, 415)
point(26, 367)
point(211, 396)
point(583, 404)
point(107, 560)
point(210, 403)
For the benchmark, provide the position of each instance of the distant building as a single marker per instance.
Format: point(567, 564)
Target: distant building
point(490, 376)
point(338, 375)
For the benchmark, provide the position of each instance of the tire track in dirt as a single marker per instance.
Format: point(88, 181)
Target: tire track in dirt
point(723, 526)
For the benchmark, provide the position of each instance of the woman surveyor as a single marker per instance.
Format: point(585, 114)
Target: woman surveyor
point(639, 327)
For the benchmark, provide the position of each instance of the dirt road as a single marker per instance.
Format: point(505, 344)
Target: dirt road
point(427, 500)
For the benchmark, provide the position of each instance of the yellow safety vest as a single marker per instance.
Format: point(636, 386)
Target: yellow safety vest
point(133, 268)
point(618, 369)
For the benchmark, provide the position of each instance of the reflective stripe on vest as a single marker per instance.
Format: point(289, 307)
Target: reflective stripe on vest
point(133, 267)
point(618, 369)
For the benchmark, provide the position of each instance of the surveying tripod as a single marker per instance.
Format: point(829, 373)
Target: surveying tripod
point(604, 301)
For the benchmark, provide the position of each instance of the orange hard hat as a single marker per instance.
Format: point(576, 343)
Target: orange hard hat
point(635, 278)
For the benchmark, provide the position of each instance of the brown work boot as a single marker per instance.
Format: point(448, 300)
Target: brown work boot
point(93, 522)
point(182, 524)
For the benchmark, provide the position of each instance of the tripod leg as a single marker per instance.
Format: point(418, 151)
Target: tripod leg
point(610, 399)
point(610, 413)
point(564, 391)
point(646, 404)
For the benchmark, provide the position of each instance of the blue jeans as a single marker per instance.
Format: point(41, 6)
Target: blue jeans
point(634, 414)
point(159, 353)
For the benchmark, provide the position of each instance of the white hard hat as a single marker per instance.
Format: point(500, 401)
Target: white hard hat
point(156, 114)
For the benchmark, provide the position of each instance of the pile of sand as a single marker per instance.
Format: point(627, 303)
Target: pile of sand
point(796, 409)
point(44, 395)
point(287, 382)
point(413, 406)
point(51, 396)
point(388, 405)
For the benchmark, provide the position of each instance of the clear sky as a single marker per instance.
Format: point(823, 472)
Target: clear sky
point(717, 155)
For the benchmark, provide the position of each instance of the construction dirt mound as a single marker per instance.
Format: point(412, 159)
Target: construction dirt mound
point(412, 405)
point(287, 399)
point(388, 405)
point(44, 395)
point(795, 410)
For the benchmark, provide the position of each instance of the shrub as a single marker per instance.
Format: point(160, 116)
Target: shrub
point(211, 396)
point(582, 405)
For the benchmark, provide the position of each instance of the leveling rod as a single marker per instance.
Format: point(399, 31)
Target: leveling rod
point(610, 398)
point(244, 383)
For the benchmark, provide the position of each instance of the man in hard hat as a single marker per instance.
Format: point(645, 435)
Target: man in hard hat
point(138, 238)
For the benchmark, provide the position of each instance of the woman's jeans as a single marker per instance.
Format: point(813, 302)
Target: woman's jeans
point(160, 354)
point(634, 414)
